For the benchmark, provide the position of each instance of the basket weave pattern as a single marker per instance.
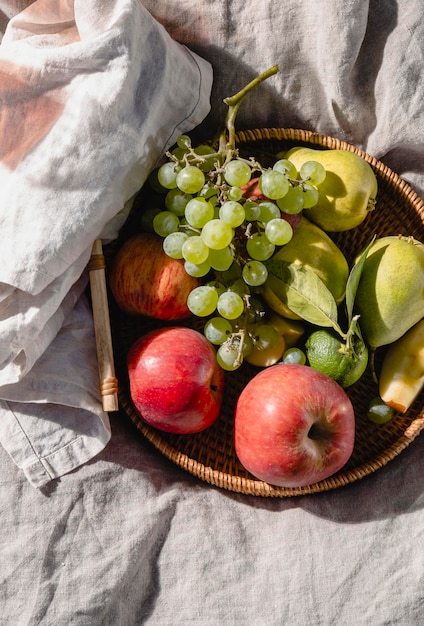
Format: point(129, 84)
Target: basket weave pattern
point(210, 455)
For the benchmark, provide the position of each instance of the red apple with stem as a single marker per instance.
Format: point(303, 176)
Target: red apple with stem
point(144, 280)
point(294, 426)
point(176, 385)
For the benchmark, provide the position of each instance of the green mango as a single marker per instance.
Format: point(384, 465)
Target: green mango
point(390, 295)
point(349, 190)
point(314, 249)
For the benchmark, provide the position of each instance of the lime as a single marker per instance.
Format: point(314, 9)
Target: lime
point(327, 353)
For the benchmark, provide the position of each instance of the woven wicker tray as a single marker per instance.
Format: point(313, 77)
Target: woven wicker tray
point(210, 455)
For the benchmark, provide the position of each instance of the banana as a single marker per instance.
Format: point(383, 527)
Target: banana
point(402, 372)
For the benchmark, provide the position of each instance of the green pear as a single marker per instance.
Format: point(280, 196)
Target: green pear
point(314, 249)
point(349, 190)
point(390, 295)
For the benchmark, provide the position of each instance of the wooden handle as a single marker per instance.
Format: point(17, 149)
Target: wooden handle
point(107, 379)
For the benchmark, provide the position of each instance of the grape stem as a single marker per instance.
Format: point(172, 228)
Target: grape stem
point(227, 138)
point(241, 334)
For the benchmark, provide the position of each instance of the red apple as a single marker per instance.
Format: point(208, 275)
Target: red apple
point(145, 281)
point(294, 426)
point(176, 384)
point(251, 191)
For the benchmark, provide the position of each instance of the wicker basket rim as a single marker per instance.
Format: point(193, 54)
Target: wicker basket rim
point(252, 486)
point(333, 143)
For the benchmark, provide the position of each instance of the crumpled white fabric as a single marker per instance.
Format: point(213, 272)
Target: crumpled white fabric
point(129, 539)
point(91, 94)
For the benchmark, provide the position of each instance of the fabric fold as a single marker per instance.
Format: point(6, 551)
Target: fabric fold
point(91, 95)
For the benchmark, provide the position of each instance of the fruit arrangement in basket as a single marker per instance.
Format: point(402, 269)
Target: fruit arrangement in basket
point(236, 258)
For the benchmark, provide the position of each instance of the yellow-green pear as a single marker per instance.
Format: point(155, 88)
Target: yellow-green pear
point(314, 249)
point(390, 295)
point(349, 190)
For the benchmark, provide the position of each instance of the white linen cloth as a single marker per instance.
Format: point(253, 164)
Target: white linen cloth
point(92, 94)
point(128, 539)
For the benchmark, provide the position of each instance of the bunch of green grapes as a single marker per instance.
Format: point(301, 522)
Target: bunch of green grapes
point(224, 236)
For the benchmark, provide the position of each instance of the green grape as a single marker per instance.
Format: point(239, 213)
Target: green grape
point(220, 287)
point(247, 345)
point(176, 201)
point(237, 173)
point(231, 274)
point(173, 244)
point(217, 330)
point(273, 184)
point(286, 167)
point(194, 250)
point(265, 336)
point(154, 183)
point(167, 175)
point(147, 218)
point(310, 196)
point(198, 212)
point(379, 412)
point(313, 172)
point(190, 179)
point(278, 231)
point(207, 164)
point(255, 273)
point(179, 153)
point(198, 271)
point(209, 192)
point(240, 287)
point(235, 193)
point(268, 210)
point(230, 305)
point(232, 213)
point(227, 357)
point(184, 142)
point(221, 260)
point(217, 234)
point(165, 222)
point(293, 201)
point(259, 247)
point(202, 301)
point(251, 210)
point(294, 355)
